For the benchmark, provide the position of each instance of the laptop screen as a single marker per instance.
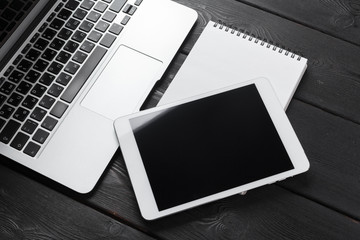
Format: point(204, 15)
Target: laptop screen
point(16, 16)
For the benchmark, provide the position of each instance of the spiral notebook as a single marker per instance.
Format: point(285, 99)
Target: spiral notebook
point(223, 56)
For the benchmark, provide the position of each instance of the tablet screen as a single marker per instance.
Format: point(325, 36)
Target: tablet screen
point(210, 145)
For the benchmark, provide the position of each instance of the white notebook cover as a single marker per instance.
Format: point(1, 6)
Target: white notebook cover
point(222, 57)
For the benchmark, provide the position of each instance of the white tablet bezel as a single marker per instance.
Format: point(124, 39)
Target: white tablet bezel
point(136, 169)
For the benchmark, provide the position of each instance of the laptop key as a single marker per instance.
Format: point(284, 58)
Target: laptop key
point(63, 57)
point(16, 76)
point(42, 28)
point(71, 46)
point(132, 10)
point(55, 67)
point(9, 131)
point(100, 6)
point(24, 87)
point(35, 37)
point(108, 40)
point(63, 79)
point(117, 5)
point(93, 16)
point(138, 2)
point(87, 4)
point(41, 65)
point(47, 79)
point(55, 90)
point(49, 34)
point(56, 44)
point(41, 44)
point(59, 109)
point(57, 23)
point(94, 36)
point(38, 90)
point(72, 4)
point(47, 102)
point(17, 59)
point(102, 26)
point(29, 102)
point(126, 8)
point(19, 141)
point(26, 48)
point(86, 26)
point(87, 46)
point(72, 23)
point(64, 14)
point(125, 20)
point(49, 123)
point(78, 36)
point(7, 88)
point(51, 17)
point(38, 114)
point(32, 76)
point(21, 114)
point(49, 54)
point(79, 57)
point(116, 28)
point(33, 54)
point(24, 65)
point(80, 14)
point(40, 136)
point(65, 33)
point(8, 71)
point(83, 74)
point(72, 67)
point(15, 99)
point(6, 111)
point(31, 149)
point(58, 7)
point(29, 126)
point(109, 16)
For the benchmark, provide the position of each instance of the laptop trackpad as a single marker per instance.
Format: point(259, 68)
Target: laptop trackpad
point(121, 86)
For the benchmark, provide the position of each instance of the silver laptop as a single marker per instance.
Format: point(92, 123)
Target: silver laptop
point(69, 68)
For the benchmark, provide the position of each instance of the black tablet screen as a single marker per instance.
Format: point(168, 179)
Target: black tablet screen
point(207, 146)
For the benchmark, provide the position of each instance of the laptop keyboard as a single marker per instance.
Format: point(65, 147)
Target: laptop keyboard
point(43, 80)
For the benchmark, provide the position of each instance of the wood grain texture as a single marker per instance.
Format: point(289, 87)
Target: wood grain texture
point(29, 210)
point(338, 18)
point(332, 145)
point(269, 212)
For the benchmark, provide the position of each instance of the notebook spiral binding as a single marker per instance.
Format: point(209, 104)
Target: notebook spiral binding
point(263, 42)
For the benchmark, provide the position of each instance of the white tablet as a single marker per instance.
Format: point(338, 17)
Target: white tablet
point(208, 147)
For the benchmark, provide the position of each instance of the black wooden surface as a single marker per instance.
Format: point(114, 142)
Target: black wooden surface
point(323, 203)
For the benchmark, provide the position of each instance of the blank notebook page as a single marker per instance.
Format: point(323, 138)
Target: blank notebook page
point(223, 57)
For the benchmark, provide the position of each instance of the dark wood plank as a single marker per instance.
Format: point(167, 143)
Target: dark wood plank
point(269, 212)
point(333, 148)
point(332, 81)
point(338, 18)
point(29, 210)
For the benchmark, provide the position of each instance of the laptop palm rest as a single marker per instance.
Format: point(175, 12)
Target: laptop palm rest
point(122, 81)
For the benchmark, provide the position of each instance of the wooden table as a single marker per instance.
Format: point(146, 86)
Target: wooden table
point(323, 203)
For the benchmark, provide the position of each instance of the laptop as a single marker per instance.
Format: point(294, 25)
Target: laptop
point(69, 68)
